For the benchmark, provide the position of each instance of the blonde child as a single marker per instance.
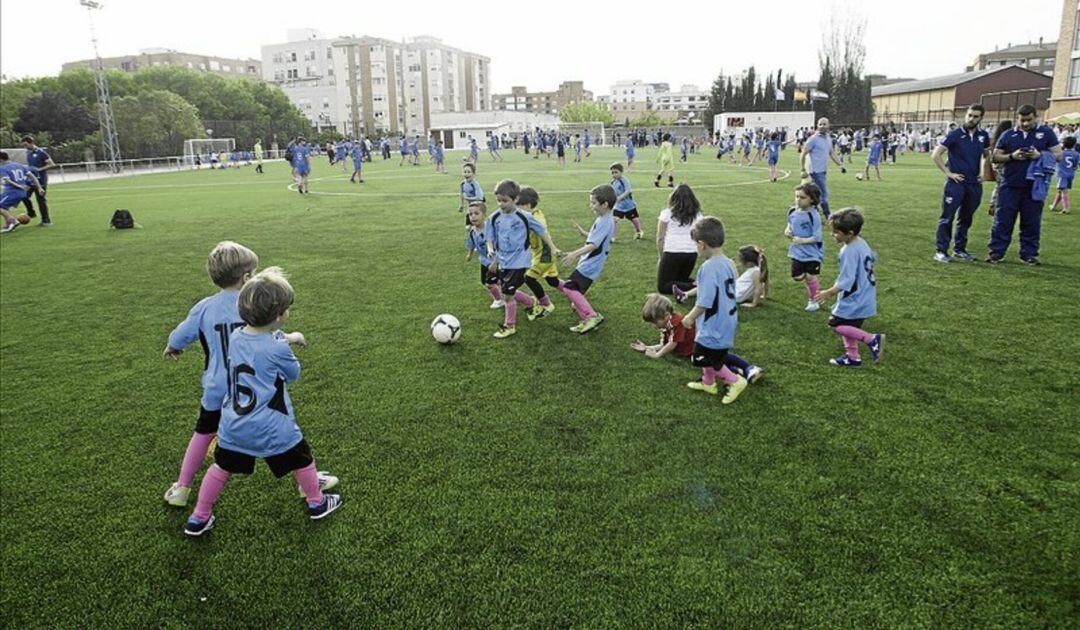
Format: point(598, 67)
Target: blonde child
point(476, 241)
point(807, 249)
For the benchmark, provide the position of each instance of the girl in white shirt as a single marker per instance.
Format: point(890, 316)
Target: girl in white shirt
point(678, 253)
point(753, 282)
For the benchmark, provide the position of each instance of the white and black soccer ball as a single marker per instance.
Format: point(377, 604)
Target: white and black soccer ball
point(446, 329)
point(859, 176)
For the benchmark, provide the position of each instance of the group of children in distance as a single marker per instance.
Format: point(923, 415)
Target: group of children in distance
point(245, 403)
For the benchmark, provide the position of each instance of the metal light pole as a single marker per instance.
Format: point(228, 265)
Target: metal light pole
point(109, 140)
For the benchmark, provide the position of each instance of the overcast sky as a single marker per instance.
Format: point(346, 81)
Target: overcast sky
point(543, 43)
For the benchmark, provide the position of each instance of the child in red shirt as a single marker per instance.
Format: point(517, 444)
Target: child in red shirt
point(674, 337)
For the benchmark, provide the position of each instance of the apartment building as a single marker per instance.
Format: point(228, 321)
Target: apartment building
point(684, 106)
point(151, 57)
point(521, 100)
point(1065, 95)
point(1039, 57)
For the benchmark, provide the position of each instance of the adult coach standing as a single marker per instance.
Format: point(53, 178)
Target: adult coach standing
point(815, 160)
point(966, 146)
point(40, 163)
point(1017, 149)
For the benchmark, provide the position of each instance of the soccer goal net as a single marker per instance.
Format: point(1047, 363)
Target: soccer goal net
point(595, 129)
point(204, 147)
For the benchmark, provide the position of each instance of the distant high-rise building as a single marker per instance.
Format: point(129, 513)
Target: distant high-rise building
point(151, 57)
point(1033, 56)
point(520, 99)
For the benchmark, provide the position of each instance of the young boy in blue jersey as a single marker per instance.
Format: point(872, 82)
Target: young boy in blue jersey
point(629, 154)
point(772, 148)
point(211, 321)
point(857, 288)
point(470, 188)
point(587, 141)
point(475, 241)
point(684, 149)
point(1066, 171)
point(340, 151)
point(15, 183)
point(257, 419)
point(302, 163)
point(357, 163)
point(507, 235)
point(874, 157)
point(807, 249)
point(625, 206)
point(593, 255)
point(440, 157)
point(493, 148)
point(474, 150)
point(404, 147)
point(718, 312)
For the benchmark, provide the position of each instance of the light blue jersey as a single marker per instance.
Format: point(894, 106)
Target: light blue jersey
point(875, 153)
point(622, 185)
point(472, 191)
point(806, 224)
point(819, 147)
point(475, 241)
point(509, 233)
point(600, 235)
point(357, 157)
point(716, 294)
point(257, 418)
point(629, 149)
point(211, 321)
point(858, 286)
point(774, 151)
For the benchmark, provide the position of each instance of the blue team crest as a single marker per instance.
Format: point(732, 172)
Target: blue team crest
point(1039, 135)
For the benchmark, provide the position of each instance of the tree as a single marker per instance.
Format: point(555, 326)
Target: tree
point(716, 101)
point(154, 123)
point(587, 111)
point(842, 55)
point(825, 85)
point(54, 112)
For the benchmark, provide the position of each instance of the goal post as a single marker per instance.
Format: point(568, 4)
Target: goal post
point(595, 129)
point(203, 147)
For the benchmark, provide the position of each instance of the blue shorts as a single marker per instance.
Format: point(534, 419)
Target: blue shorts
point(11, 198)
point(303, 168)
point(1065, 183)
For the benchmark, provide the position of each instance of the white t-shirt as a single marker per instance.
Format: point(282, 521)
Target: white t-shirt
point(677, 238)
point(744, 285)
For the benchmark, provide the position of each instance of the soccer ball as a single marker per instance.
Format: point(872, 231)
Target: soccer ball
point(858, 176)
point(446, 329)
point(23, 219)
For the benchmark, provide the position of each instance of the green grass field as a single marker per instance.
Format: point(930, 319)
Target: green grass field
point(549, 479)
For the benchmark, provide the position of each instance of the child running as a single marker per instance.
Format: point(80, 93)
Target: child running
point(629, 154)
point(257, 418)
point(593, 255)
point(678, 339)
point(773, 149)
point(302, 163)
point(440, 157)
point(476, 241)
point(507, 235)
point(807, 249)
point(874, 158)
point(718, 312)
point(210, 321)
point(357, 162)
point(470, 188)
point(857, 288)
point(665, 159)
point(1066, 171)
point(543, 261)
point(625, 206)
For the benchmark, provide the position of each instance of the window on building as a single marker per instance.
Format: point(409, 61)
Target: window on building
point(1074, 78)
point(329, 53)
point(215, 66)
point(329, 72)
point(226, 68)
point(1048, 62)
point(326, 103)
point(311, 71)
point(290, 55)
point(309, 55)
point(278, 57)
point(293, 73)
point(279, 75)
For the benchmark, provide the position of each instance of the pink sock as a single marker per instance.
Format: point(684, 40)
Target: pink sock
point(510, 316)
point(194, 456)
point(858, 334)
point(212, 484)
point(813, 285)
point(708, 376)
point(525, 299)
point(637, 224)
point(727, 375)
point(493, 289)
point(545, 301)
point(308, 479)
point(581, 305)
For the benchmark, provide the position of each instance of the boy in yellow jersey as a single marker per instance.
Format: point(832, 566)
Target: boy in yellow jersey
point(543, 263)
point(665, 159)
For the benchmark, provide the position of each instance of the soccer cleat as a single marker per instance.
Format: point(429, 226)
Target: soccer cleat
point(734, 390)
point(845, 361)
point(812, 307)
point(962, 255)
point(941, 257)
point(754, 374)
point(44, 224)
point(679, 294)
point(195, 527)
point(591, 323)
point(326, 481)
point(540, 312)
point(178, 495)
point(713, 389)
point(639, 235)
point(1031, 260)
point(504, 331)
point(330, 502)
point(577, 327)
point(10, 227)
point(877, 347)
point(497, 304)
point(992, 259)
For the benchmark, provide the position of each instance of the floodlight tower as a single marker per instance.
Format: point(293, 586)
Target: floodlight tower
point(109, 140)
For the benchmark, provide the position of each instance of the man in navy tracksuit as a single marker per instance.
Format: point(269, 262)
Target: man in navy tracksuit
point(1016, 148)
point(40, 163)
point(966, 146)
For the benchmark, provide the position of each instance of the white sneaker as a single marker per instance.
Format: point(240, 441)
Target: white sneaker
point(941, 257)
point(326, 481)
point(177, 495)
point(812, 307)
point(497, 304)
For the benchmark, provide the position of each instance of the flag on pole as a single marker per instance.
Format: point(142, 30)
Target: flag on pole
point(800, 96)
point(818, 95)
point(779, 95)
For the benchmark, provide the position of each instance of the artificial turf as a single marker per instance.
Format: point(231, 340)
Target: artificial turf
point(548, 479)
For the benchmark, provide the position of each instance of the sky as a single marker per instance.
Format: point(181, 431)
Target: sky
point(541, 44)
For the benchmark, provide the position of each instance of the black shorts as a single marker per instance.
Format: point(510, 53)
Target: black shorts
point(626, 214)
point(488, 277)
point(511, 280)
point(578, 282)
point(708, 357)
point(237, 463)
point(208, 421)
point(835, 321)
point(800, 268)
